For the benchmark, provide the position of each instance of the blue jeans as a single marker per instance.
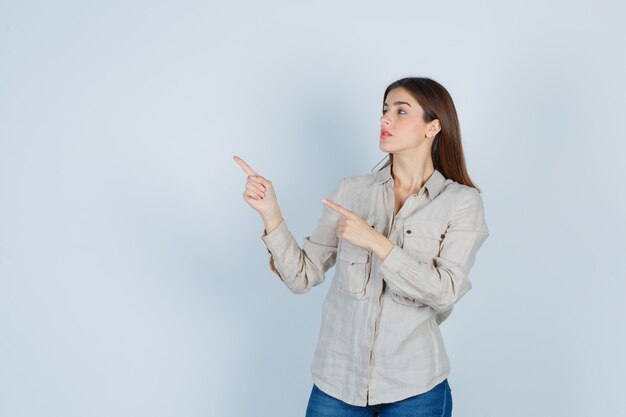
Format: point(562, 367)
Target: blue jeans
point(434, 403)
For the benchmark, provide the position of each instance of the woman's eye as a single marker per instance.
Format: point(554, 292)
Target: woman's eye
point(399, 110)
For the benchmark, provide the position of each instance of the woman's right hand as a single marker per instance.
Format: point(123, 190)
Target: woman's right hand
point(259, 192)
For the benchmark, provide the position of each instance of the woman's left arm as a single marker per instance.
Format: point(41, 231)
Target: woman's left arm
point(443, 281)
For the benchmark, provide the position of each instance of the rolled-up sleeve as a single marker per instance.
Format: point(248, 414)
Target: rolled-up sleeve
point(441, 281)
point(303, 268)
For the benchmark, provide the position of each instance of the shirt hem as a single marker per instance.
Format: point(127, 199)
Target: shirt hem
point(330, 391)
point(403, 395)
point(382, 399)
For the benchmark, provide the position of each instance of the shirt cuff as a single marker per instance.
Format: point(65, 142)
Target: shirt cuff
point(392, 263)
point(276, 241)
point(397, 260)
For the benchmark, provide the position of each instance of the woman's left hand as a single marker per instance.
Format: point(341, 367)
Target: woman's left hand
point(353, 228)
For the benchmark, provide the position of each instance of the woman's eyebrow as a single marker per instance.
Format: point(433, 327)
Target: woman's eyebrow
point(398, 103)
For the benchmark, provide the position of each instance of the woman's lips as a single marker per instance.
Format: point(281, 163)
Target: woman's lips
point(385, 134)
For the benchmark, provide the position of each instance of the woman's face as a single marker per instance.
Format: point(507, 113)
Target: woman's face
point(403, 118)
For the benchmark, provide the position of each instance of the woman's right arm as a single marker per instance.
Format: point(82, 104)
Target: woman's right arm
point(299, 268)
point(303, 268)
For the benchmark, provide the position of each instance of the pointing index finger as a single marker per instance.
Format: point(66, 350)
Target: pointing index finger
point(341, 210)
point(243, 165)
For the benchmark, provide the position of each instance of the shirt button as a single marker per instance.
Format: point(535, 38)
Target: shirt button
point(442, 236)
point(408, 232)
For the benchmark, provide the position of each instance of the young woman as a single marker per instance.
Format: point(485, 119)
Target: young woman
point(403, 240)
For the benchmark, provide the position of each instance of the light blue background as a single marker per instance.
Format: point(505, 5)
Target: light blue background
point(133, 279)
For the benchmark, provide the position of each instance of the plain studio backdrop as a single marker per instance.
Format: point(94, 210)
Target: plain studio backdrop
point(133, 278)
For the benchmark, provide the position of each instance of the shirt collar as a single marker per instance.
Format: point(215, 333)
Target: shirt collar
point(434, 184)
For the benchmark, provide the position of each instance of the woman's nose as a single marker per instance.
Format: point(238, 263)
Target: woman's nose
point(384, 120)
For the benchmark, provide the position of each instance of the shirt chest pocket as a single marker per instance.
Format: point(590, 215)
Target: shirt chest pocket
point(423, 236)
point(353, 267)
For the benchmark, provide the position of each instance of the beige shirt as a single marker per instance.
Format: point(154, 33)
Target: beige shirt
point(379, 337)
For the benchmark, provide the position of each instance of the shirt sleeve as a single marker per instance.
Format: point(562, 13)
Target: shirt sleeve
point(441, 281)
point(300, 269)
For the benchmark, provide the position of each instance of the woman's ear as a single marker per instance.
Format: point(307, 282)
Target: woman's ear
point(433, 128)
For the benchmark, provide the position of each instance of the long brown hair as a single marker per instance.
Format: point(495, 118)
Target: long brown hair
point(447, 151)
